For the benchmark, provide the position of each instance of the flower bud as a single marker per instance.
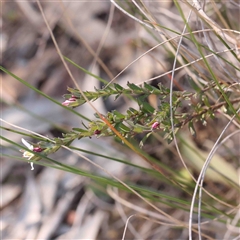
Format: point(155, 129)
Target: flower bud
point(67, 102)
point(97, 132)
point(155, 125)
point(37, 149)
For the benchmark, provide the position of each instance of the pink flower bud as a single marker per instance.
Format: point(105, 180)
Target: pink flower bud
point(155, 125)
point(67, 102)
point(72, 99)
point(97, 132)
point(37, 149)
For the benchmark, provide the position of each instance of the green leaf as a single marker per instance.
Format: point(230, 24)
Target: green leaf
point(118, 87)
point(117, 116)
point(144, 139)
point(144, 105)
point(122, 127)
point(134, 87)
point(80, 130)
point(151, 89)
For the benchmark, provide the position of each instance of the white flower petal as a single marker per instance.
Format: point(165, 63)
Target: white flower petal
point(32, 168)
point(28, 145)
point(28, 155)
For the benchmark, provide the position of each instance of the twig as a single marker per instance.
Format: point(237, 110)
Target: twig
point(212, 108)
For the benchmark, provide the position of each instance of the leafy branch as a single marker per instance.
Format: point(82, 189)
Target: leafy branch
point(76, 98)
point(146, 119)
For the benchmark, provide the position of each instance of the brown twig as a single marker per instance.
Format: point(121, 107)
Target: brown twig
point(212, 108)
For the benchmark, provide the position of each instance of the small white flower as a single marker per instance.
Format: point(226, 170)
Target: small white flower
point(27, 154)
